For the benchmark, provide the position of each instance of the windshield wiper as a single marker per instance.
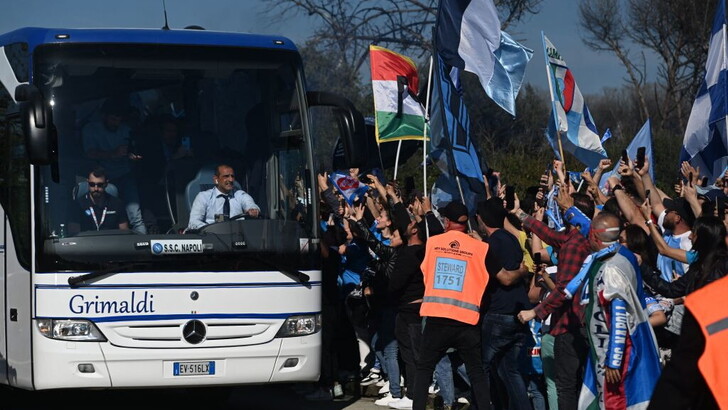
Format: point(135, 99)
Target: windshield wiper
point(88, 278)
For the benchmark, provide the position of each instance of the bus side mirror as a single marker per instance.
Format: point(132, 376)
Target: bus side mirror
point(36, 125)
point(351, 125)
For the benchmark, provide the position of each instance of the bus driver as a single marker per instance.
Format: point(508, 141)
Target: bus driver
point(223, 199)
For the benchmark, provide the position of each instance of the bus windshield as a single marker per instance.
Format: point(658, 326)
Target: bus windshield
point(150, 136)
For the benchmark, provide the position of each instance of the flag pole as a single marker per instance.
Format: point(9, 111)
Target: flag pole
point(396, 159)
point(551, 92)
point(462, 198)
point(424, 136)
point(424, 142)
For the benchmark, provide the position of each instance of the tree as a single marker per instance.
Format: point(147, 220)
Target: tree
point(349, 26)
point(604, 30)
point(677, 31)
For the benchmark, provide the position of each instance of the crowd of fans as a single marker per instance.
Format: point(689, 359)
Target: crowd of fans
point(540, 327)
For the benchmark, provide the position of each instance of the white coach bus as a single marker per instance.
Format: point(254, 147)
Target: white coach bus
point(237, 301)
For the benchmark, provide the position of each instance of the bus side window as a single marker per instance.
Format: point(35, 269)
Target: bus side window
point(14, 176)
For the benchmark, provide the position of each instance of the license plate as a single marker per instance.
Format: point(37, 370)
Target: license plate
point(193, 368)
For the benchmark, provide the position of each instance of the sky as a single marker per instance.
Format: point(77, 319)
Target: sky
point(557, 18)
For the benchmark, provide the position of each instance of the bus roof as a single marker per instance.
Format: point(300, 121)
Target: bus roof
point(36, 36)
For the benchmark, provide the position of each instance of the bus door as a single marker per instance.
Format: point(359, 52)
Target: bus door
point(3, 271)
point(15, 210)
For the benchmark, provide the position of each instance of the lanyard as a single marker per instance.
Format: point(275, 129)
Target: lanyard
point(93, 215)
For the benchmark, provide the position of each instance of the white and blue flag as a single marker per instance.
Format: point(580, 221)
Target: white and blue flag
point(570, 117)
point(469, 38)
point(706, 143)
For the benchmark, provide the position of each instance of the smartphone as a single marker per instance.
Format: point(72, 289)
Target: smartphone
point(704, 182)
point(690, 178)
point(510, 197)
point(537, 259)
point(647, 196)
point(625, 157)
point(542, 203)
point(365, 179)
point(640, 157)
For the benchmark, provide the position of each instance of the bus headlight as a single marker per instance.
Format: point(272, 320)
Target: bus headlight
point(78, 330)
point(300, 326)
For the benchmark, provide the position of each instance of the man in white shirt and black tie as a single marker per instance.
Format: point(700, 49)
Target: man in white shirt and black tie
point(223, 200)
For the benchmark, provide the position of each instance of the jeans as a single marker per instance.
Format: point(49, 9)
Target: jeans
point(385, 347)
point(534, 385)
point(130, 195)
point(437, 336)
point(503, 339)
point(570, 350)
point(547, 359)
point(443, 374)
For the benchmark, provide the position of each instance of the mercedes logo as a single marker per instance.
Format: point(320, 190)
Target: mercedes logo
point(194, 332)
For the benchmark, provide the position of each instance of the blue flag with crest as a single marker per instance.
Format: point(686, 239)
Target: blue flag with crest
point(706, 142)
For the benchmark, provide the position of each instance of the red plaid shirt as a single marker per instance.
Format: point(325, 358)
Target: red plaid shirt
point(566, 315)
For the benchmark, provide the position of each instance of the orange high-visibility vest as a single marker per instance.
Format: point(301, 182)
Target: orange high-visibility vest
point(708, 306)
point(455, 277)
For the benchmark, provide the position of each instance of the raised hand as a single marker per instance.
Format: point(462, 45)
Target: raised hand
point(646, 209)
point(605, 164)
point(645, 168)
point(359, 212)
point(625, 169)
point(323, 181)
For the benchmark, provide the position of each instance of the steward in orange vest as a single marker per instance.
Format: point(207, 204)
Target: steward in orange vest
point(709, 309)
point(699, 365)
point(455, 277)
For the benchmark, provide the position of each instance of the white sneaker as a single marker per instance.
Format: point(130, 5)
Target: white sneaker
point(384, 401)
point(403, 403)
point(434, 388)
point(338, 390)
point(385, 388)
point(370, 379)
point(463, 400)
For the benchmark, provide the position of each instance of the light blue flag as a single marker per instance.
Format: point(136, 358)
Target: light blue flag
point(469, 38)
point(642, 139)
point(510, 68)
point(705, 143)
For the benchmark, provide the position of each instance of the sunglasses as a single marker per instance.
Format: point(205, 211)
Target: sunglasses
point(96, 184)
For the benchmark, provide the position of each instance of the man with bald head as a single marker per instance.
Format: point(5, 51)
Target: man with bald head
point(623, 365)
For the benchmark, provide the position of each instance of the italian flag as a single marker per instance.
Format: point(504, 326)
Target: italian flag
point(395, 83)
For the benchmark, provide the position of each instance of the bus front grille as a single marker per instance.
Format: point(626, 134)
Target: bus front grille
point(171, 334)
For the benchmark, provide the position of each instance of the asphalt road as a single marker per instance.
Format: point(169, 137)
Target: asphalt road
point(264, 397)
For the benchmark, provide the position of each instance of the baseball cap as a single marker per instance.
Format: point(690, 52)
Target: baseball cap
point(455, 212)
point(682, 207)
